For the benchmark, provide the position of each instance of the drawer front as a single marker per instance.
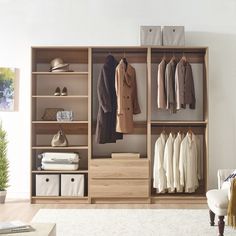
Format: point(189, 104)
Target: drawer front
point(109, 168)
point(119, 188)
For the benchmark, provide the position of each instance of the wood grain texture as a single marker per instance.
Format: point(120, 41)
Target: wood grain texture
point(16, 209)
point(110, 168)
point(119, 188)
point(116, 181)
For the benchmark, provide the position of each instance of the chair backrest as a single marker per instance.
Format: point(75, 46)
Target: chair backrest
point(222, 174)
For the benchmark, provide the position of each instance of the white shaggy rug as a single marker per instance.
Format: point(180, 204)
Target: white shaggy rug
point(130, 222)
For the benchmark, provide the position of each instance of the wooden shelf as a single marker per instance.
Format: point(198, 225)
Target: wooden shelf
point(69, 127)
point(77, 55)
point(60, 97)
point(61, 73)
point(60, 122)
point(58, 171)
point(59, 199)
point(140, 127)
point(58, 148)
point(178, 123)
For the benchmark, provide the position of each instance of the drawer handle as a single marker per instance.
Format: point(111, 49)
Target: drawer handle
point(72, 179)
point(47, 179)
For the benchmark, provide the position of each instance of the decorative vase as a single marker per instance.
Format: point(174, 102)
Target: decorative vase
point(3, 196)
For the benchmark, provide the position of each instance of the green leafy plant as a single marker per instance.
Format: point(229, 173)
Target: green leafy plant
point(4, 163)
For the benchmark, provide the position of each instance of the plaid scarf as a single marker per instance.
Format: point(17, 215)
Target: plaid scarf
point(231, 213)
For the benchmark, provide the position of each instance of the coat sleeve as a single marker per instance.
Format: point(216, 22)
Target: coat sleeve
point(182, 164)
point(155, 166)
point(136, 108)
point(177, 89)
point(104, 96)
point(192, 105)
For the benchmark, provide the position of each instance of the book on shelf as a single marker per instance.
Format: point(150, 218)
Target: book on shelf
point(9, 227)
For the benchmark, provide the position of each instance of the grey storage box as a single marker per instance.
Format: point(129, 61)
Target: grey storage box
point(47, 185)
point(150, 35)
point(173, 36)
point(72, 185)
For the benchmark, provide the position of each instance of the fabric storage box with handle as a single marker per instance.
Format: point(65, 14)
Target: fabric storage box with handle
point(72, 185)
point(150, 35)
point(173, 35)
point(47, 185)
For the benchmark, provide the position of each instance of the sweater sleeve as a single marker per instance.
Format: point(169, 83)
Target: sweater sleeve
point(136, 108)
point(155, 166)
point(182, 164)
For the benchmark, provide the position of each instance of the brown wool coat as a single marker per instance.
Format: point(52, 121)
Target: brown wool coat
point(106, 117)
point(184, 85)
point(127, 99)
point(170, 85)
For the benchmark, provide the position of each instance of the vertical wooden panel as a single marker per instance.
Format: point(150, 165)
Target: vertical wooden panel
point(89, 117)
point(149, 97)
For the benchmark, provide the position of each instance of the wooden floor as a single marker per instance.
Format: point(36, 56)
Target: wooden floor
point(24, 211)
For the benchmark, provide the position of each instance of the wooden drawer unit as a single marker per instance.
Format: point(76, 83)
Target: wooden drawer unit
point(112, 188)
point(119, 169)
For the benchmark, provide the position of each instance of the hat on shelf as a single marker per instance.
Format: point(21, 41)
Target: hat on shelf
point(57, 64)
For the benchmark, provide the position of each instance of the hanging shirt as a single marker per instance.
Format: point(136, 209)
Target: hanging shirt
point(170, 86)
point(188, 163)
point(168, 163)
point(184, 85)
point(127, 97)
point(159, 177)
point(161, 96)
point(176, 154)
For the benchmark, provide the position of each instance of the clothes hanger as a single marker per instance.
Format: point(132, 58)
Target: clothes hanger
point(173, 56)
point(184, 57)
point(125, 61)
point(163, 57)
point(190, 132)
point(163, 130)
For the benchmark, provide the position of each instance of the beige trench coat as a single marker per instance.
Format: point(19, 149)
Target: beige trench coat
point(127, 99)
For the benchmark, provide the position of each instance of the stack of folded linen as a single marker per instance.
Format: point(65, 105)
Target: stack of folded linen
point(59, 161)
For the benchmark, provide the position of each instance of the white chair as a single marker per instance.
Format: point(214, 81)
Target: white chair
point(218, 199)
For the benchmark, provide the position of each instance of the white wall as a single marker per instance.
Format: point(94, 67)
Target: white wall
point(107, 22)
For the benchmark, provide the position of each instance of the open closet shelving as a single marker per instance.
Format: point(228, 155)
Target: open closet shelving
point(108, 180)
point(78, 131)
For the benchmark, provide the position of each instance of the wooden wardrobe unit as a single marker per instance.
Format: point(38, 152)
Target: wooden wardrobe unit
point(108, 180)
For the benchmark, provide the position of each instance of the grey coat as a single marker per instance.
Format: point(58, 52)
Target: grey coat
point(106, 117)
point(184, 85)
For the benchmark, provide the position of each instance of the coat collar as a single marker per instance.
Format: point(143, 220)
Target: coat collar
point(163, 138)
point(110, 61)
point(128, 73)
point(190, 138)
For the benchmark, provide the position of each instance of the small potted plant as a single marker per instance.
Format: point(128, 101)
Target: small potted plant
point(4, 165)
